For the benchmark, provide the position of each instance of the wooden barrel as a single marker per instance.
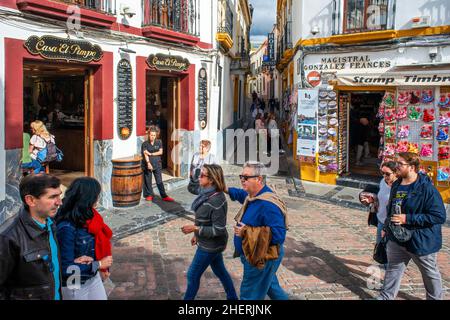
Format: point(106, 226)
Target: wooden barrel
point(126, 181)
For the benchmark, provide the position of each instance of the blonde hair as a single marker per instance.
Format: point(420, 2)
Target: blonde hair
point(215, 174)
point(39, 129)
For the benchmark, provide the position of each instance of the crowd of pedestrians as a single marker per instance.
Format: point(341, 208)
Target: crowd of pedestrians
point(61, 248)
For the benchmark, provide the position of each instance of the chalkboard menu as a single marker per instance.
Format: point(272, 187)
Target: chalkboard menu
point(124, 99)
point(202, 97)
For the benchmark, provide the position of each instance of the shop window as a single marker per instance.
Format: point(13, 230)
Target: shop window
point(365, 15)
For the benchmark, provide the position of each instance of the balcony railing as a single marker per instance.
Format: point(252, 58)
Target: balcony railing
point(176, 15)
point(103, 6)
point(225, 18)
point(363, 16)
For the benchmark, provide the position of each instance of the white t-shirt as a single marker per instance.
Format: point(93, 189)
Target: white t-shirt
point(383, 199)
point(198, 162)
point(39, 143)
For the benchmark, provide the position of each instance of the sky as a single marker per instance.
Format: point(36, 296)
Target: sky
point(264, 16)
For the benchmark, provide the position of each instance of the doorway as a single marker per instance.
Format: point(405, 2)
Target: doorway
point(364, 137)
point(162, 110)
point(61, 96)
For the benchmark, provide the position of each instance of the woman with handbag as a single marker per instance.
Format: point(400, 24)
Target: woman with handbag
point(378, 203)
point(84, 242)
point(210, 232)
point(198, 160)
point(38, 142)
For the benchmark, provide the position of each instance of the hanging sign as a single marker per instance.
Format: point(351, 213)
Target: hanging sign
point(202, 98)
point(54, 48)
point(165, 62)
point(124, 99)
point(308, 103)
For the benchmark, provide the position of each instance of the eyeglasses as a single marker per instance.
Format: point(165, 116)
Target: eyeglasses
point(386, 174)
point(242, 177)
point(202, 175)
point(402, 163)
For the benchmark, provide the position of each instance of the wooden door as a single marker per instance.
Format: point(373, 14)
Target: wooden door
point(88, 127)
point(173, 123)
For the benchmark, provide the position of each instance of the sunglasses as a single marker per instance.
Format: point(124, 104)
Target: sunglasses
point(202, 175)
point(242, 177)
point(386, 174)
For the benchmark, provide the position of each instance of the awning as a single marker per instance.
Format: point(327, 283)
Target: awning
point(403, 76)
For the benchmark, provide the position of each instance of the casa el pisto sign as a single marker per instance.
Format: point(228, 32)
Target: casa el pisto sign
point(55, 48)
point(165, 62)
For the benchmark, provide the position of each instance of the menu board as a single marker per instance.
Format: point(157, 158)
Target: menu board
point(124, 99)
point(202, 98)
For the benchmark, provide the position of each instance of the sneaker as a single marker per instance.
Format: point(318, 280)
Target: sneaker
point(149, 198)
point(168, 199)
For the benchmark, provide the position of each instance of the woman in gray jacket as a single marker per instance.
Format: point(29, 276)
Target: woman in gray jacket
point(210, 233)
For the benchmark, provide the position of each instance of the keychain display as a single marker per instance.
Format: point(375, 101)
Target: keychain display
point(389, 131)
point(427, 96)
point(389, 115)
point(428, 115)
point(403, 132)
point(426, 150)
point(415, 97)
point(389, 149)
point(413, 147)
point(444, 101)
point(403, 97)
point(442, 134)
point(414, 113)
point(402, 146)
point(444, 119)
point(426, 131)
point(443, 153)
point(402, 113)
point(443, 174)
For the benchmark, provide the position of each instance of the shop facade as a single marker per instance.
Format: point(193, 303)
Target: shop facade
point(403, 93)
point(100, 91)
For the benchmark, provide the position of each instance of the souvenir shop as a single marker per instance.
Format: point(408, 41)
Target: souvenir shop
point(407, 108)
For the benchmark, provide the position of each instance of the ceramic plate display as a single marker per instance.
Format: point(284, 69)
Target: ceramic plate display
point(333, 121)
point(332, 94)
point(323, 94)
point(323, 104)
point(332, 104)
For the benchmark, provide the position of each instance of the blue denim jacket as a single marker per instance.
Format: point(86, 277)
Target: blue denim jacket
point(73, 243)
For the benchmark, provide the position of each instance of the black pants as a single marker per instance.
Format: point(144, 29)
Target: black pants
point(148, 189)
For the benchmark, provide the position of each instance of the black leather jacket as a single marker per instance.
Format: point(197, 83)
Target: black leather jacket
point(24, 274)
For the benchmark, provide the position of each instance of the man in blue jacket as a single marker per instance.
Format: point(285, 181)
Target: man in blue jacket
point(416, 212)
point(257, 283)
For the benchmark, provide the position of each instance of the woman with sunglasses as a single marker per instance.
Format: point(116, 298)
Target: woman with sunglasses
point(210, 233)
point(389, 173)
point(84, 241)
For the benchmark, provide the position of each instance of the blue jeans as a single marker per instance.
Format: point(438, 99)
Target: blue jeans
point(201, 261)
point(34, 164)
point(257, 283)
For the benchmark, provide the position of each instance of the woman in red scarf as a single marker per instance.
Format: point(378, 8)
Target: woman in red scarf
point(84, 241)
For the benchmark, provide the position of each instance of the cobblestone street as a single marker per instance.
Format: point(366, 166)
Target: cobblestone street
point(328, 256)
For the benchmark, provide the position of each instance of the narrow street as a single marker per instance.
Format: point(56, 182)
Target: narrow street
point(328, 253)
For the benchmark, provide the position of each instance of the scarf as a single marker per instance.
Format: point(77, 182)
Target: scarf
point(267, 196)
point(202, 197)
point(102, 234)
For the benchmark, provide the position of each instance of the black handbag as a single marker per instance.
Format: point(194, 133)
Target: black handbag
point(194, 184)
point(372, 219)
point(379, 252)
